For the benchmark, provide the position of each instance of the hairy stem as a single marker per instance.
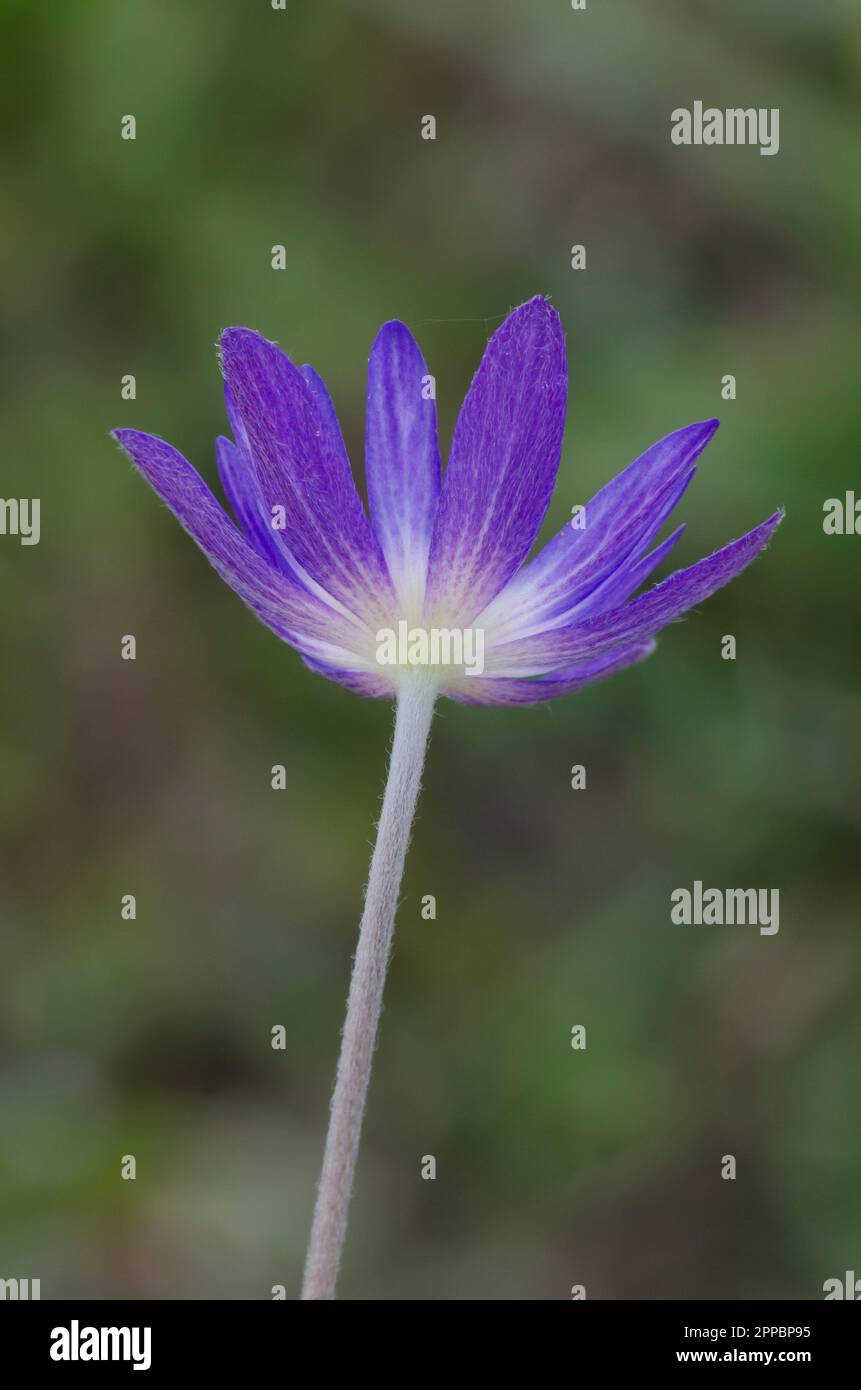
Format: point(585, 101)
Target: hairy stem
point(412, 726)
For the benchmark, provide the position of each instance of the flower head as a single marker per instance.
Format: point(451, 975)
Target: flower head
point(366, 597)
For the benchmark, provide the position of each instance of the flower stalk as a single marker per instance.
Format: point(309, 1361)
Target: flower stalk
point(415, 703)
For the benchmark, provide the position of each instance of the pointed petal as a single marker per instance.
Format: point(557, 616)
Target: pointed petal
point(240, 488)
point(279, 601)
point(402, 459)
point(239, 481)
point(301, 469)
point(627, 579)
point(503, 464)
point(620, 522)
point(484, 690)
point(635, 621)
point(330, 429)
point(328, 416)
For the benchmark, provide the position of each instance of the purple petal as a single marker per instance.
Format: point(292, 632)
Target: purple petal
point(402, 459)
point(372, 685)
point(503, 464)
point(240, 487)
point(621, 521)
point(329, 421)
point(642, 618)
point(301, 469)
point(485, 690)
point(627, 579)
point(278, 600)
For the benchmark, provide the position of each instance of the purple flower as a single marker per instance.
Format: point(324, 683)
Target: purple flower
point(438, 553)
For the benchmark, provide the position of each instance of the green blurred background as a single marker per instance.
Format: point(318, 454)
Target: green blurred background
point(257, 127)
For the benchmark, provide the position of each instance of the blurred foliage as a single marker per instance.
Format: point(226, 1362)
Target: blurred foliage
point(257, 127)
